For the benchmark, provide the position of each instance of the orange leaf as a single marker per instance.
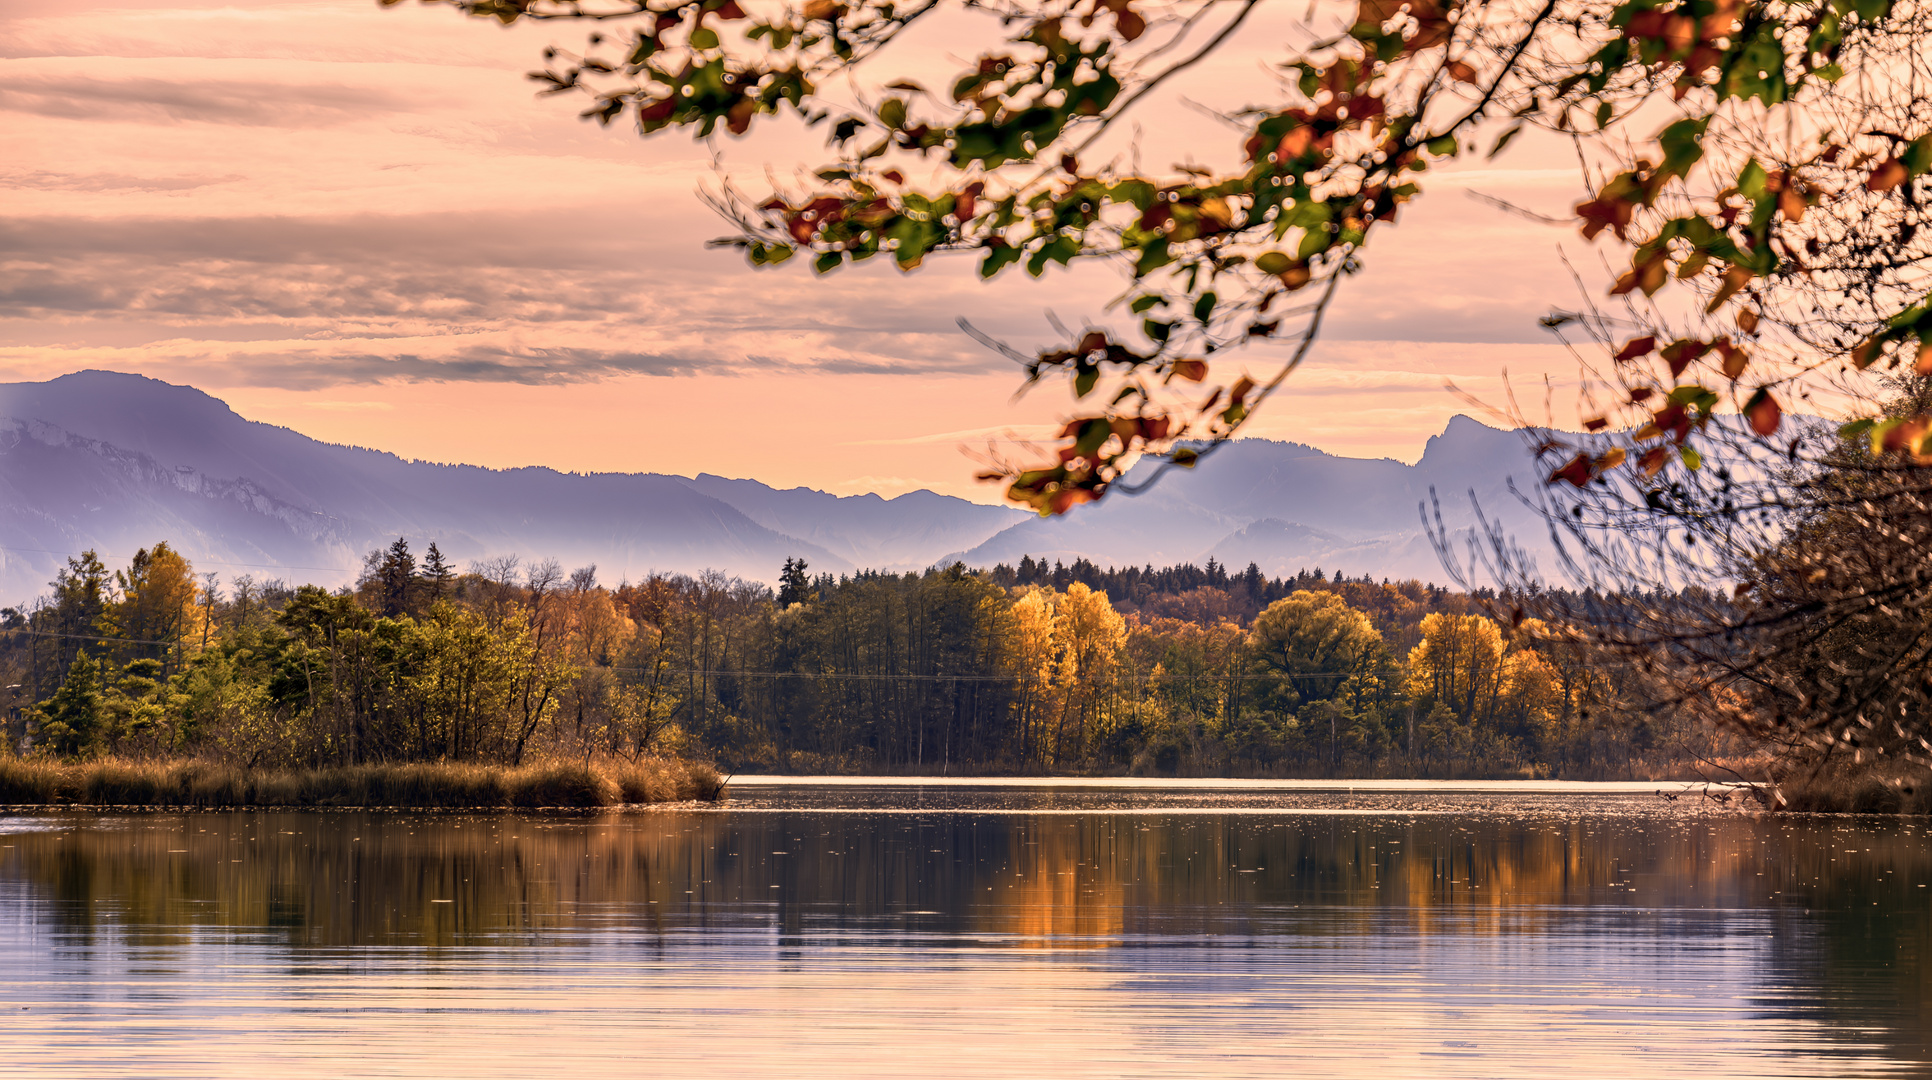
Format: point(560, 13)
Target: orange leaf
point(1737, 277)
point(1461, 72)
point(1889, 174)
point(1792, 203)
point(1067, 498)
point(1909, 436)
point(1747, 320)
point(1924, 364)
point(1735, 360)
point(1763, 412)
point(1654, 460)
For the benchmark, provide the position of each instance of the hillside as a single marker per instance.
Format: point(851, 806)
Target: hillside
point(116, 461)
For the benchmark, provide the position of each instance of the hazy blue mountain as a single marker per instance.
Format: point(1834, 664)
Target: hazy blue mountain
point(114, 462)
point(906, 532)
point(1285, 507)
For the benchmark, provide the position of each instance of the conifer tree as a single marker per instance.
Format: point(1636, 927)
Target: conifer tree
point(71, 720)
point(436, 572)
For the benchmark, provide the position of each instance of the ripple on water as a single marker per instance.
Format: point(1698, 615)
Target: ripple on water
point(973, 930)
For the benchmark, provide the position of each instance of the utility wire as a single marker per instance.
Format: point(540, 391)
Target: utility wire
point(217, 562)
point(836, 676)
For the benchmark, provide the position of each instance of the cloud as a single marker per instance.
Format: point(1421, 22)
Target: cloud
point(253, 103)
point(109, 182)
point(1002, 433)
point(476, 363)
point(350, 406)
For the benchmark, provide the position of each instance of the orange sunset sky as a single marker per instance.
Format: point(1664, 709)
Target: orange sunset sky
point(362, 224)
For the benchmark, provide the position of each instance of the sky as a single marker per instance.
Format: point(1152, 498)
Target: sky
point(361, 223)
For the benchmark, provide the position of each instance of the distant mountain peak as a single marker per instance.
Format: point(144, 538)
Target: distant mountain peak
point(138, 460)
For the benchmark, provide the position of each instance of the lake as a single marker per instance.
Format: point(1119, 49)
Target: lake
point(875, 929)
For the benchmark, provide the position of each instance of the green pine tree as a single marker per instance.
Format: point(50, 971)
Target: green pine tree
point(71, 721)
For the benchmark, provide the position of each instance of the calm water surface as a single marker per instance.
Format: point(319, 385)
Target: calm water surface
point(862, 930)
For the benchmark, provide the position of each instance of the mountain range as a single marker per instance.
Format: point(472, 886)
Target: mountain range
point(114, 462)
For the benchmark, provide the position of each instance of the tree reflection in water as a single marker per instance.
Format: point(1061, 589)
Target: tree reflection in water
point(1832, 915)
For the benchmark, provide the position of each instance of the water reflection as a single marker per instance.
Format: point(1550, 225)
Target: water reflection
point(1222, 935)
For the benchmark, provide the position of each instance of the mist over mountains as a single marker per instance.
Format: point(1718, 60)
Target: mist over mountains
point(115, 462)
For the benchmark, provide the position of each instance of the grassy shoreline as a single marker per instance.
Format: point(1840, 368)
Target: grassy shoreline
point(427, 786)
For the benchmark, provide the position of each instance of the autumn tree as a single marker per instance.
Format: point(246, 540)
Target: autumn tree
point(1725, 148)
point(158, 606)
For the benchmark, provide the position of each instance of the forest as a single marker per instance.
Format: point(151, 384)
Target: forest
point(1032, 669)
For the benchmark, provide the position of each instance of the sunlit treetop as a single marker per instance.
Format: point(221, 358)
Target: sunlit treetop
point(1766, 161)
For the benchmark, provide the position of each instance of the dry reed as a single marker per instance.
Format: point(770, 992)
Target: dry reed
point(1867, 792)
point(121, 782)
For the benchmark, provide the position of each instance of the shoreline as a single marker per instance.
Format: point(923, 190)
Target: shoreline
point(460, 787)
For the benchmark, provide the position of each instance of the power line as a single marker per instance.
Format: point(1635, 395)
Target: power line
point(217, 562)
point(835, 676)
point(90, 637)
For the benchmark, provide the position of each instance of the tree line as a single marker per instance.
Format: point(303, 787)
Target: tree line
point(1027, 669)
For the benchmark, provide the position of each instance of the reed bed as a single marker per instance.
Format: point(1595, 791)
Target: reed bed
point(1871, 792)
point(195, 783)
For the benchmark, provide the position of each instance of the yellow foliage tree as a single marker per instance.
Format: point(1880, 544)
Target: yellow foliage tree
point(1088, 636)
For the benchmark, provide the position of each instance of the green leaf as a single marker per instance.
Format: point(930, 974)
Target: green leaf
point(1504, 140)
point(704, 38)
point(1683, 145)
point(1082, 386)
point(1143, 304)
point(1442, 146)
point(998, 259)
point(1060, 249)
point(1153, 256)
point(1692, 459)
point(1752, 179)
point(1204, 306)
point(1856, 428)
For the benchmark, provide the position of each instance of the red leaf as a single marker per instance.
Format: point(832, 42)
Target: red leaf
point(1191, 370)
point(1679, 354)
point(1636, 347)
point(1239, 394)
point(1577, 472)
